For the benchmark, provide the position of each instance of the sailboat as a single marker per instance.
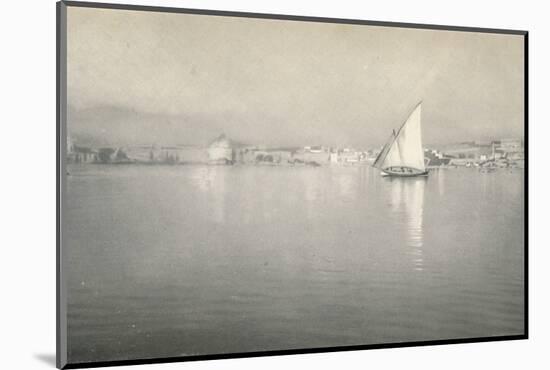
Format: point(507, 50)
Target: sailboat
point(402, 155)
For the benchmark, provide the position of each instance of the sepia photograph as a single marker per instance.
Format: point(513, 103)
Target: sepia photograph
point(233, 184)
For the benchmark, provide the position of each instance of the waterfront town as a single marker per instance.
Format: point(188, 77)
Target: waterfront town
point(488, 155)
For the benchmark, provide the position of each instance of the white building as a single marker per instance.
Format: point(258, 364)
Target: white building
point(220, 151)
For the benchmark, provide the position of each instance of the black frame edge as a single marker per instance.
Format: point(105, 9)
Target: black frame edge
point(61, 62)
point(57, 188)
point(526, 186)
point(226, 13)
point(291, 352)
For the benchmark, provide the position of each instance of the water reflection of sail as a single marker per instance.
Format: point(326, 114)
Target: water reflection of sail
point(415, 221)
point(408, 196)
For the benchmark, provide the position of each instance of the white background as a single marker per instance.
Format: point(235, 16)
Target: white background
point(27, 185)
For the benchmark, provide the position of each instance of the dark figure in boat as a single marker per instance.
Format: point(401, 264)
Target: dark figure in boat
point(400, 169)
point(403, 171)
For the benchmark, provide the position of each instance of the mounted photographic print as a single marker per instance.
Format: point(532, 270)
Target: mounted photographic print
point(235, 184)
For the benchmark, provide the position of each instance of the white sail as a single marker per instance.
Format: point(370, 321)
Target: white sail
point(406, 149)
point(393, 157)
point(378, 162)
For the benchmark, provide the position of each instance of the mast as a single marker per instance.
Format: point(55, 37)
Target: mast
point(384, 152)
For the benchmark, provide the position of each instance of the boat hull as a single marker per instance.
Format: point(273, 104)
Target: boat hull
point(403, 172)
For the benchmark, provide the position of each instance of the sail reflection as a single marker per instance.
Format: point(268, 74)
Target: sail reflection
point(407, 197)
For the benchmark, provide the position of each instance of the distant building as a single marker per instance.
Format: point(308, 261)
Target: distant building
point(167, 154)
point(220, 151)
point(506, 151)
point(470, 152)
point(188, 153)
point(433, 158)
point(317, 149)
point(80, 154)
point(120, 156)
point(181, 154)
point(247, 155)
point(463, 151)
point(314, 155)
point(280, 155)
point(510, 146)
point(349, 156)
point(142, 153)
point(514, 152)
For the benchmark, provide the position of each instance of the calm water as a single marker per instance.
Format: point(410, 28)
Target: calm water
point(186, 260)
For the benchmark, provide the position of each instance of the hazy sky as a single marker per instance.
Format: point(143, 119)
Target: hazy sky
point(142, 77)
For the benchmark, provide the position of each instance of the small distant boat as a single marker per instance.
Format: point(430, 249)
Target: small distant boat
point(403, 155)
